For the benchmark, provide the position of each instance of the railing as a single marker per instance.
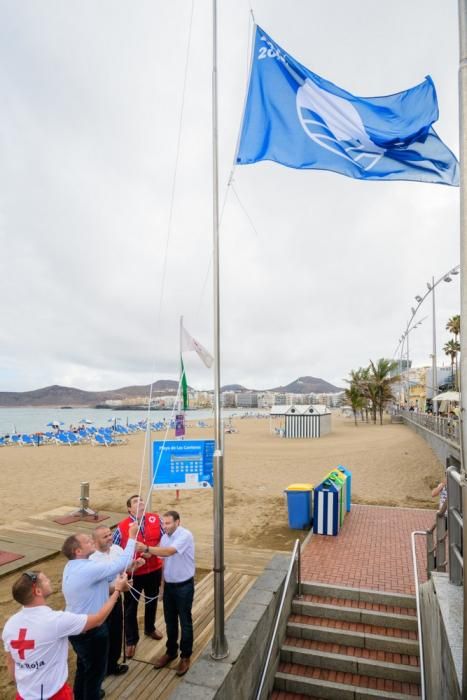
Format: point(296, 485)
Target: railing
point(436, 543)
point(419, 621)
point(448, 428)
point(455, 526)
point(295, 554)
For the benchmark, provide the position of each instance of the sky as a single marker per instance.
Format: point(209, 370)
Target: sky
point(106, 196)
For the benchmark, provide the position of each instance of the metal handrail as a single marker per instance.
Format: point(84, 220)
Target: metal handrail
point(296, 550)
point(419, 620)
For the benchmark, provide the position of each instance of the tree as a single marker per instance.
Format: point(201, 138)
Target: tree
point(381, 381)
point(355, 399)
point(454, 326)
point(451, 349)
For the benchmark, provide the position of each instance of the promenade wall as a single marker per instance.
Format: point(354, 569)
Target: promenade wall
point(248, 631)
point(443, 447)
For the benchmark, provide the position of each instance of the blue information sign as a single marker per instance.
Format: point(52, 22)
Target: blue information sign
point(182, 464)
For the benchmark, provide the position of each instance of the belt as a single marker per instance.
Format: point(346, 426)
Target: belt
point(179, 583)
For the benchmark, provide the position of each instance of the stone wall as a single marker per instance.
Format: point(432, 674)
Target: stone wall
point(441, 446)
point(248, 631)
point(441, 609)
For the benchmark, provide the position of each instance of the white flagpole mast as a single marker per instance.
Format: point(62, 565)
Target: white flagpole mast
point(219, 643)
point(463, 335)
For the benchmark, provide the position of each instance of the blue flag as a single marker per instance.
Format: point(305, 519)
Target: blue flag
point(298, 119)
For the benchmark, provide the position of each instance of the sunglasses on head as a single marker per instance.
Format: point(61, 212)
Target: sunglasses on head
point(32, 576)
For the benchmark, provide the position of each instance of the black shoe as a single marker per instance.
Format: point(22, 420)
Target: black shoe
point(102, 693)
point(119, 670)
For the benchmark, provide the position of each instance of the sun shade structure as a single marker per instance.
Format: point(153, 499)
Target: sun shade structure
point(302, 421)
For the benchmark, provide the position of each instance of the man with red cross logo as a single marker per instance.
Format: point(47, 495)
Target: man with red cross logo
point(36, 638)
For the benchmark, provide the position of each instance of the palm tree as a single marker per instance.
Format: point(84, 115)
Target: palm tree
point(355, 400)
point(381, 381)
point(454, 326)
point(451, 349)
point(359, 378)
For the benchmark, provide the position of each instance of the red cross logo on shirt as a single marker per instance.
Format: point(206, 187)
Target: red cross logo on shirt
point(21, 644)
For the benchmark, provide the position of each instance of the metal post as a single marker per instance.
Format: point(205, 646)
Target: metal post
point(434, 371)
point(408, 372)
point(219, 643)
point(463, 262)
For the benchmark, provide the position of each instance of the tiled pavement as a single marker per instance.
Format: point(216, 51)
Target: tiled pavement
point(372, 550)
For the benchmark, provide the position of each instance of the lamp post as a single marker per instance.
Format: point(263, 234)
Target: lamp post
point(405, 338)
point(431, 286)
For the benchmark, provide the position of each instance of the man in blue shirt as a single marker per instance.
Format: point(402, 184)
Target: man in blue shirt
point(85, 586)
point(178, 550)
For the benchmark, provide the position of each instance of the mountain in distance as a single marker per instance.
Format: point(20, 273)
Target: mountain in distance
point(233, 387)
point(69, 396)
point(308, 385)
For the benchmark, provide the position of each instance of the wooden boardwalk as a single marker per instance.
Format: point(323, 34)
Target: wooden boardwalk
point(38, 537)
point(143, 681)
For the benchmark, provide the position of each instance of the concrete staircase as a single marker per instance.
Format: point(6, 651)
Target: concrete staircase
point(349, 644)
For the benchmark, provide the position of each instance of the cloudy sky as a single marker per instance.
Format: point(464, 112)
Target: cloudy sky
point(318, 271)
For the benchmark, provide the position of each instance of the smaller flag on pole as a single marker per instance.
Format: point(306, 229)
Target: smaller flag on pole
point(188, 343)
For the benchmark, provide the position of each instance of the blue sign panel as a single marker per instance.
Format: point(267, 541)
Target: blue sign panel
point(182, 464)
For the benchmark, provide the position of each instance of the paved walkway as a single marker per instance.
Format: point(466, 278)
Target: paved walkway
point(372, 550)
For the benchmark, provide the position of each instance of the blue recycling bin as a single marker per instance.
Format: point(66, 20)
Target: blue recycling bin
point(299, 505)
point(348, 494)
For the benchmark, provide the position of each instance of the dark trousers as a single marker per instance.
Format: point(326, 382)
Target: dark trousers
point(115, 626)
point(91, 651)
point(178, 600)
point(149, 584)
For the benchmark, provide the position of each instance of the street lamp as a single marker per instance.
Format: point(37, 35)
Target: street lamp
point(431, 286)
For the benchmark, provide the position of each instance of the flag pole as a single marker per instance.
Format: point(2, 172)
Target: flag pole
point(219, 648)
point(463, 270)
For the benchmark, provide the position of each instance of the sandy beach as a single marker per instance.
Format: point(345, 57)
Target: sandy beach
point(390, 465)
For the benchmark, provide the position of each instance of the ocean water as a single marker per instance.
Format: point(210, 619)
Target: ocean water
point(34, 420)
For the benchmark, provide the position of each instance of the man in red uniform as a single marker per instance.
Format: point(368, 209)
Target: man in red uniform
point(147, 578)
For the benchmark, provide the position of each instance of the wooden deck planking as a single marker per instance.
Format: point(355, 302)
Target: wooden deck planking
point(142, 680)
point(39, 537)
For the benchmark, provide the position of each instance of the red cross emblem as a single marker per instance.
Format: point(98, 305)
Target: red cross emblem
point(21, 644)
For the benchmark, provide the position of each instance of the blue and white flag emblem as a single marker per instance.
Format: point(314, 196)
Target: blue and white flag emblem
point(298, 119)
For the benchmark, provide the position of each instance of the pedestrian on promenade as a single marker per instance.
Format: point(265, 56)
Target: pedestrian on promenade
point(36, 638)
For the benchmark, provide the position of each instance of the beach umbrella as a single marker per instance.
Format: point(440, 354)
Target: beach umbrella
point(87, 421)
point(447, 396)
point(55, 424)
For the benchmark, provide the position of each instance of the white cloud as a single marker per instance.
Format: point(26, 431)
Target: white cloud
point(91, 96)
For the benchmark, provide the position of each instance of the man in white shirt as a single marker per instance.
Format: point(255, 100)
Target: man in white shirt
point(36, 638)
point(178, 550)
point(106, 551)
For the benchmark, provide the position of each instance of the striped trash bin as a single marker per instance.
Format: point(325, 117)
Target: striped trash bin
point(348, 493)
point(340, 479)
point(326, 508)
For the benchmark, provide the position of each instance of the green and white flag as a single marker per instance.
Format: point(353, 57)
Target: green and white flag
point(184, 385)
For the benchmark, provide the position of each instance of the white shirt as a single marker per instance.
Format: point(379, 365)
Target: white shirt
point(181, 565)
point(114, 552)
point(37, 639)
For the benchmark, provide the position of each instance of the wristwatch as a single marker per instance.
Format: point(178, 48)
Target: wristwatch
point(146, 551)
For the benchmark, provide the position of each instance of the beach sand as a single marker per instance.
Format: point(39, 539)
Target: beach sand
point(390, 465)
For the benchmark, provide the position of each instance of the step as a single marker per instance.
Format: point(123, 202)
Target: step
point(284, 695)
point(348, 662)
point(366, 595)
point(336, 685)
point(356, 615)
point(354, 638)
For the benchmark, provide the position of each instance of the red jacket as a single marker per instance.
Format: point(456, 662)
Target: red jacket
point(150, 534)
